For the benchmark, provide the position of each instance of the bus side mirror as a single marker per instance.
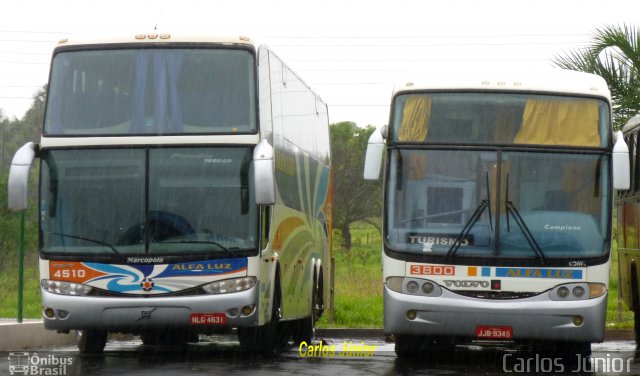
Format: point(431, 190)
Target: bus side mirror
point(620, 162)
point(19, 176)
point(264, 174)
point(373, 158)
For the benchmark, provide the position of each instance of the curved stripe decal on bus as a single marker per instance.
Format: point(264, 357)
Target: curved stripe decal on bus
point(285, 228)
point(145, 278)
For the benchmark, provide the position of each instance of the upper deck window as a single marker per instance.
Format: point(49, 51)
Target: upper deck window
point(151, 91)
point(494, 118)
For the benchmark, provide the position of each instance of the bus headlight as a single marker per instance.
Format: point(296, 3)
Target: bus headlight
point(229, 285)
point(596, 290)
point(428, 288)
point(413, 286)
point(563, 292)
point(64, 288)
point(577, 291)
point(395, 283)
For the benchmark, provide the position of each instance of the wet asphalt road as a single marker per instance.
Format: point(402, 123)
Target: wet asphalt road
point(220, 355)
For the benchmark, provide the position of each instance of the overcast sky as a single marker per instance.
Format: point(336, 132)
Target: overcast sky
point(350, 52)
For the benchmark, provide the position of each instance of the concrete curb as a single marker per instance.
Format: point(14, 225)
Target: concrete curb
point(33, 335)
point(619, 335)
point(30, 335)
point(349, 333)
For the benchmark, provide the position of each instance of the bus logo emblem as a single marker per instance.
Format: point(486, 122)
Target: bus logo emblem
point(147, 284)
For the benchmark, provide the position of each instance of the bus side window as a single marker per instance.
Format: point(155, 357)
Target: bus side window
point(266, 226)
point(634, 162)
point(630, 139)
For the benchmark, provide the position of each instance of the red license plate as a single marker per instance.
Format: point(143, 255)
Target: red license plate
point(494, 332)
point(216, 318)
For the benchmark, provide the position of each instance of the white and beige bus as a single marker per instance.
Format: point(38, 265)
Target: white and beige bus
point(498, 190)
point(184, 188)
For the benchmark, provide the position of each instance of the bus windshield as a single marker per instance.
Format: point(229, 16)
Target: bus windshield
point(500, 118)
point(148, 201)
point(504, 198)
point(151, 91)
point(498, 175)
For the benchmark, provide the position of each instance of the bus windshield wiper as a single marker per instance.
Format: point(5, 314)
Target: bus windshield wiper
point(100, 242)
point(513, 210)
point(466, 229)
point(486, 203)
point(226, 250)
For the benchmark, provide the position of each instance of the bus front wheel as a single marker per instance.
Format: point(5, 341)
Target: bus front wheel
point(412, 346)
point(302, 330)
point(271, 337)
point(569, 351)
point(635, 300)
point(91, 341)
point(407, 346)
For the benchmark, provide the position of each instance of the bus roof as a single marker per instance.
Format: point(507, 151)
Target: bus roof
point(552, 81)
point(633, 123)
point(155, 37)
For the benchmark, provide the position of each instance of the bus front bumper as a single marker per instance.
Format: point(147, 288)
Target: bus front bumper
point(137, 314)
point(534, 318)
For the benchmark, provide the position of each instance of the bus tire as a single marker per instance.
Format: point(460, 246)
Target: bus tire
point(149, 338)
point(318, 303)
point(635, 300)
point(273, 337)
point(408, 346)
point(168, 338)
point(568, 351)
point(302, 330)
point(91, 341)
point(432, 347)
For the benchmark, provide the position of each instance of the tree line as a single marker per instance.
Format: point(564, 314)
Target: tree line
point(16, 132)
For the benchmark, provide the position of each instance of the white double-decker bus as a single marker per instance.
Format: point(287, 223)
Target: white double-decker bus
point(184, 189)
point(498, 191)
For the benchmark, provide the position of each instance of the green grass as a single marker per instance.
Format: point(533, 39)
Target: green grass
point(356, 312)
point(618, 315)
point(358, 281)
point(9, 223)
point(9, 235)
point(31, 294)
